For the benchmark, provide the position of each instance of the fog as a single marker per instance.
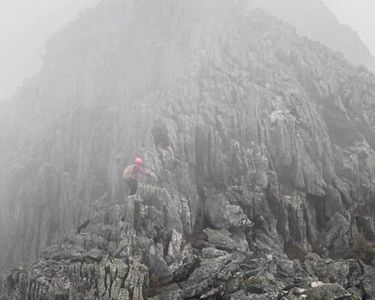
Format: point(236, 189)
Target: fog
point(25, 26)
point(186, 149)
point(359, 15)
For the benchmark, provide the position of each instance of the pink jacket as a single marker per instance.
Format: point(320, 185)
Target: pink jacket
point(133, 171)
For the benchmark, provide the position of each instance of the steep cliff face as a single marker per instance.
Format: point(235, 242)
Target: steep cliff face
point(313, 19)
point(262, 143)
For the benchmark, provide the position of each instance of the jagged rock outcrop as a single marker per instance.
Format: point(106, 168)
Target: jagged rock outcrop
point(261, 142)
point(109, 259)
point(313, 19)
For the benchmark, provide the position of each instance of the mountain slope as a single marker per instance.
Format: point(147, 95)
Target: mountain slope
point(262, 143)
point(313, 19)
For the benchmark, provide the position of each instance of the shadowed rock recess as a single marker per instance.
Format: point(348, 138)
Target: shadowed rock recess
point(261, 142)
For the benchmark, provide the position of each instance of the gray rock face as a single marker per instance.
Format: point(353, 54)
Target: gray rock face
point(325, 28)
point(261, 144)
point(223, 215)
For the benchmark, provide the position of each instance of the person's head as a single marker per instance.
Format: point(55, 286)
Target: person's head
point(138, 161)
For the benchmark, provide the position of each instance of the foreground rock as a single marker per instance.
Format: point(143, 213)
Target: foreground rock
point(110, 259)
point(261, 142)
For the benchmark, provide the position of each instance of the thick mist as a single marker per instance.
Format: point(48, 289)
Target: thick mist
point(359, 15)
point(25, 27)
point(190, 149)
point(331, 23)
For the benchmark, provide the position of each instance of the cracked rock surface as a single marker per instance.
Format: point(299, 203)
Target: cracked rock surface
point(261, 144)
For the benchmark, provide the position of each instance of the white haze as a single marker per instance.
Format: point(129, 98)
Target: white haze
point(26, 25)
point(359, 15)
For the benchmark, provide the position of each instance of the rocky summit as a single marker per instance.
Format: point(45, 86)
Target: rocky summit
point(260, 142)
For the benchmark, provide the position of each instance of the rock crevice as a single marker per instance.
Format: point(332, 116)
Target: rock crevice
point(260, 142)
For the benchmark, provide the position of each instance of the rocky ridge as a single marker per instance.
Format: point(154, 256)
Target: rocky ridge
point(262, 143)
point(315, 20)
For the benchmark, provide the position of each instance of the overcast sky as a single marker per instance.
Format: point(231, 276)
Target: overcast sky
point(358, 14)
point(26, 25)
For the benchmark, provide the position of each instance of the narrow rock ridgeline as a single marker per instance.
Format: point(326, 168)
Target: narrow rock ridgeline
point(262, 143)
point(324, 28)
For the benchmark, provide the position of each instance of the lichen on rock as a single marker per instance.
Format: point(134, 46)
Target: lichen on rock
point(260, 144)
